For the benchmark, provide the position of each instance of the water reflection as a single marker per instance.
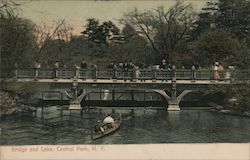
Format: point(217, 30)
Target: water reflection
point(143, 126)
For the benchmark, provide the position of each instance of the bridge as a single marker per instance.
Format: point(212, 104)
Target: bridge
point(173, 84)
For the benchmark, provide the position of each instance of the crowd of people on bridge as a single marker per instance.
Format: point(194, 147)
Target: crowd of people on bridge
point(217, 68)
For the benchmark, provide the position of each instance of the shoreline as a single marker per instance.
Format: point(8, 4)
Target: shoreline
point(221, 109)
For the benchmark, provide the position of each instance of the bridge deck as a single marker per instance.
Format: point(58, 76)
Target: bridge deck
point(102, 81)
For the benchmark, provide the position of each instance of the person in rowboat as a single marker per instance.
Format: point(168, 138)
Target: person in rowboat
point(109, 121)
point(98, 127)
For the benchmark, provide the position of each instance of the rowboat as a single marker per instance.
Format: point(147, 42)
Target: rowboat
point(105, 130)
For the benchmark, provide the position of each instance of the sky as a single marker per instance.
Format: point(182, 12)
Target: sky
point(76, 12)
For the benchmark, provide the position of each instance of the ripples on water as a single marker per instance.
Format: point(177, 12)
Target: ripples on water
point(150, 126)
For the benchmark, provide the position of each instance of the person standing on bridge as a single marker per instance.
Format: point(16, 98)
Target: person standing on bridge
point(94, 72)
point(83, 65)
point(77, 68)
point(215, 71)
point(228, 73)
point(163, 65)
point(221, 71)
point(37, 67)
point(115, 71)
point(55, 69)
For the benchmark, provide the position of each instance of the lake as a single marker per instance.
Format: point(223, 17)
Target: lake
point(140, 127)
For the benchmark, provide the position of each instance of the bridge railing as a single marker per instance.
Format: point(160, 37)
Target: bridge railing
point(183, 74)
point(67, 74)
point(45, 73)
point(138, 74)
point(241, 74)
point(163, 75)
point(105, 74)
point(26, 73)
point(203, 74)
point(146, 75)
point(84, 74)
point(123, 75)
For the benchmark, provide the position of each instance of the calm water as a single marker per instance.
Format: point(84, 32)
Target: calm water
point(150, 126)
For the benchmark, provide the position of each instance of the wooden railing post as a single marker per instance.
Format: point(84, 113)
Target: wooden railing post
point(16, 73)
point(173, 73)
point(77, 72)
point(114, 74)
point(57, 73)
point(153, 73)
point(36, 73)
point(37, 67)
point(193, 73)
point(232, 76)
point(135, 75)
point(94, 74)
point(212, 74)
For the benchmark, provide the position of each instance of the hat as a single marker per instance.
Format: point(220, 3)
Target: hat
point(216, 63)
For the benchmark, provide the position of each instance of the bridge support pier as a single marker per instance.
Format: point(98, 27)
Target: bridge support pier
point(173, 101)
point(174, 107)
point(75, 100)
point(74, 104)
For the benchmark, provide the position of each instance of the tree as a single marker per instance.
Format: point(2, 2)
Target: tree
point(135, 50)
point(56, 34)
point(164, 29)
point(100, 33)
point(17, 39)
point(218, 45)
point(206, 19)
point(128, 32)
point(233, 17)
point(92, 30)
point(108, 29)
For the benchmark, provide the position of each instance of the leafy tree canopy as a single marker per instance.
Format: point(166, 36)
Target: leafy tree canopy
point(218, 45)
point(100, 33)
point(17, 43)
point(231, 16)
